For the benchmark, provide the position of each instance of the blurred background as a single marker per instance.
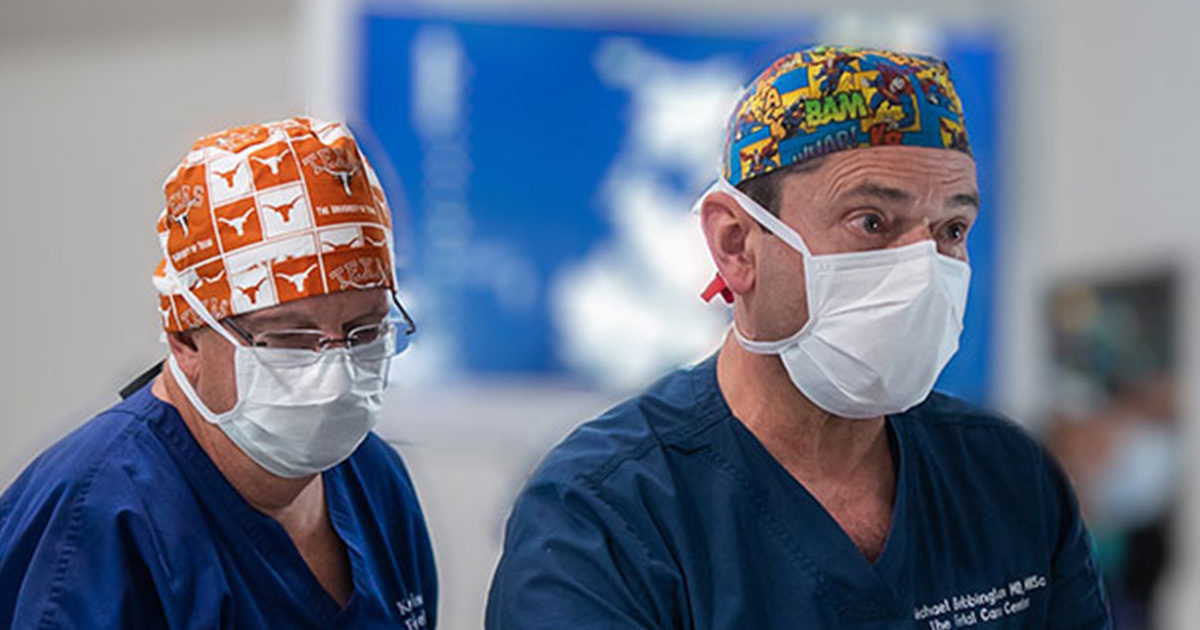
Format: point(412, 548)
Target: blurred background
point(541, 159)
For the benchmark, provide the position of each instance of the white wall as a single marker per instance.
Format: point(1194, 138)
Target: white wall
point(94, 121)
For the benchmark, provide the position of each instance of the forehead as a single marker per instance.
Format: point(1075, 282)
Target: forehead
point(924, 173)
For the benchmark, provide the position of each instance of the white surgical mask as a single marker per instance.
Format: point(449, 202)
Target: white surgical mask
point(300, 419)
point(295, 416)
point(882, 324)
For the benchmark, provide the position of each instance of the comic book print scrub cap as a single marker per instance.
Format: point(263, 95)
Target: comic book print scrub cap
point(261, 215)
point(825, 99)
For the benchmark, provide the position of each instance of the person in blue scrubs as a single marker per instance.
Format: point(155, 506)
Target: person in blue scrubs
point(806, 476)
point(241, 486)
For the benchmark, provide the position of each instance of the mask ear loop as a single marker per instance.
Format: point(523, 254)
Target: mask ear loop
point(784, 232)
point(172, 283)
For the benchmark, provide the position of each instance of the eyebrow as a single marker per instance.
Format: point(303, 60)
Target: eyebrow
point(888, 193)
point(969, 200)
point(879, 191)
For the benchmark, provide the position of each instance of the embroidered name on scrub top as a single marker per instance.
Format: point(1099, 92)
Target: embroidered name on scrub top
point(966, 610)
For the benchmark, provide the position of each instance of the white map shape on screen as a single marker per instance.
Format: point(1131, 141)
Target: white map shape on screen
point(631, 309)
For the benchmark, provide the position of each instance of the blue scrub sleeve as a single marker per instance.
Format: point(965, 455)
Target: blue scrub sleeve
point(68, 564)
point(1077, 598)
point(571, 561)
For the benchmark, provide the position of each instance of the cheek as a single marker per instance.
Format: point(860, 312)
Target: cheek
point(781, 292)
point(955, 250)
point(783, 268)
point(218, 383)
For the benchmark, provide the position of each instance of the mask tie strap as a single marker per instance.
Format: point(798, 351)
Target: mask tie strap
point(767, 347)
point(172, 278)
point(772, 223)
point(780, 229)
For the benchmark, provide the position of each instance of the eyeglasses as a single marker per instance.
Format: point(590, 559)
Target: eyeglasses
point(365, 344)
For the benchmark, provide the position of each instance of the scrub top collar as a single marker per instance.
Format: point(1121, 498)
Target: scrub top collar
point(859, 589)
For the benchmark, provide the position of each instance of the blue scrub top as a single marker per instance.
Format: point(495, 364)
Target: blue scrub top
point(126, 523)
point(666, 512)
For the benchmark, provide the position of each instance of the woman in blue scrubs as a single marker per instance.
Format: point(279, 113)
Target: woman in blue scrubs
point(805, 476)
point(241, 487)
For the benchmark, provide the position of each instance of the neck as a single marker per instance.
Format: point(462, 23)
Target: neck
point(814, 445)
point(292, 502)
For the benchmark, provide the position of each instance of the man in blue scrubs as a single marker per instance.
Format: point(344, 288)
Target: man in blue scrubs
point(805, 476)
point(241, 486)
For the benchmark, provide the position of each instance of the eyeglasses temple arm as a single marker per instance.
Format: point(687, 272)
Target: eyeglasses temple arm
point(408, 320)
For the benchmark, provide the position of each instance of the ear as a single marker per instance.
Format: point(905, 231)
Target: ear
point(187, 354)
point(728, 229)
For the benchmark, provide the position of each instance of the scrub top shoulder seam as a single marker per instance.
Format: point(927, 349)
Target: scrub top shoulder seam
point(707, 403)
point(594, 480)
point(709, 413)
point(598, 493)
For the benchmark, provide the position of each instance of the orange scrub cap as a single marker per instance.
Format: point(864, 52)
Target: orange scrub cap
point(260, 215)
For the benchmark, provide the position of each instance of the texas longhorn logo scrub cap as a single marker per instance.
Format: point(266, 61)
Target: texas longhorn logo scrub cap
point(261, 215)
point(816, 101)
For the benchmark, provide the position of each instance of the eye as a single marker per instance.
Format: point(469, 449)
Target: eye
point(957, 231)
point(869, 223)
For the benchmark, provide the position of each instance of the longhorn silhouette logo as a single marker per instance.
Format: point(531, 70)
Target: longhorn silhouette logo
point(337, 247)
point(271, 162)
point(216, 278)
point(228, 175)
point(374, 243)
point(237, 223)
point(251, 291)
point(339, 163)
point(284, 209)
point(202, 280)
point(298, 280)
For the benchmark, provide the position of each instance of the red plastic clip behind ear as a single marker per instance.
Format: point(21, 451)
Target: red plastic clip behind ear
point(717, 286)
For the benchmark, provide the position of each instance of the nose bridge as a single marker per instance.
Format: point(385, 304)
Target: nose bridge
point(334, 344)
point(330, 342)
point(917, 232)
